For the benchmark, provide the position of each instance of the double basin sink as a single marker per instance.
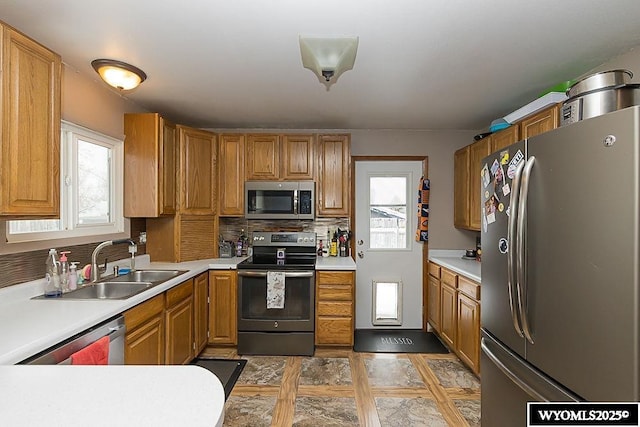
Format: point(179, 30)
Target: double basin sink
point(121, 287)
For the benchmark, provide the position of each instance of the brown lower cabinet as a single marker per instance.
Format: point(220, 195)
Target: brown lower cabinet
point(161, 330)
point(335, 307)
point(200, 311)
point(223, 297)
point(179, 324)
point(144, 342)
point(454, 313)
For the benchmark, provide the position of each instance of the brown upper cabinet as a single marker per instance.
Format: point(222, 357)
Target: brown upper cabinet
point(149, 166)
point(263, 157)
point(279, 157)
point(467, 164)
point(231, 174)
point(461, 182)
point(297, 157)
point(333, 192)
point(467, 213)
point(540, 122)
point(504, 138)
point(197, 171)
point(30, 127)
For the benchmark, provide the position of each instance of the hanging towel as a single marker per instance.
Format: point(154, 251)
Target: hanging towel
point(422, 233)
point(93, 354)
point(275, 289)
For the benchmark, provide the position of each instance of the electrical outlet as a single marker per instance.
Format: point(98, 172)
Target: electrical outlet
point(143, 237)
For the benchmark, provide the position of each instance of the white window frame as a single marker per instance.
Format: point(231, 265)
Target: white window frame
point(72, 232)
point(409, 221)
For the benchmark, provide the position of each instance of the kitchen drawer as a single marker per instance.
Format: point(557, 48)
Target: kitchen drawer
point(469, 288)
point(335, 277)
point(434, 270)
point(449, 278)
point(335, 293)
point(139, 314)
point(334, 331)
point(180, 292)
point(343, 309)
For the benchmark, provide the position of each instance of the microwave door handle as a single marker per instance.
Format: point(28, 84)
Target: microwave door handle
point(295, 202)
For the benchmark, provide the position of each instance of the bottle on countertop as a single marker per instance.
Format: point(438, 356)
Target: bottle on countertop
point(245, 243)
point(239, 247)
point(73, 276)
point(64, 271)
point(334, 245)
point(52, 277)
point(319, 251)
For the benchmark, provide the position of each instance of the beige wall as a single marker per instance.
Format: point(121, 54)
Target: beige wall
point(629, 61)
point(439, 146)
point(88, 102)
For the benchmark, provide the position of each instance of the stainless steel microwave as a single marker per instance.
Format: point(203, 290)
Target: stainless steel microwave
point(279, 200)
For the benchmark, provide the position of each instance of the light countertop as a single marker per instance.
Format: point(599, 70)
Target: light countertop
point(335, 263)
point(452, 259)
point(31, 326)
point(110, 396)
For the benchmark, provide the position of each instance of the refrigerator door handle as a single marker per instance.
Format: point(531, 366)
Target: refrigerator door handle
point(521, 275)
point(485, 344)
point(511, 252)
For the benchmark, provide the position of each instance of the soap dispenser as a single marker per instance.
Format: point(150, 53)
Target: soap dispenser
point(73, 276)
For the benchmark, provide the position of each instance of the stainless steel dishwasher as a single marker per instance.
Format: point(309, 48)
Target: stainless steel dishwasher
point(60, 354)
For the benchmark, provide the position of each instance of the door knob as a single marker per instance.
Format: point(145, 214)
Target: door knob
point(360, 254)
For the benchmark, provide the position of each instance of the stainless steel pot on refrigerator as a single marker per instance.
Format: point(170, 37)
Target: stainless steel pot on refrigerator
point(560, 268)
point(598, 94)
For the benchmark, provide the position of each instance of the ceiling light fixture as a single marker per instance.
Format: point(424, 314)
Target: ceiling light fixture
point(328, 57)
point(119, 74)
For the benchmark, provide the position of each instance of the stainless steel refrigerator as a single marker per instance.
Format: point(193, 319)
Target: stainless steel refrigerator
point(560, 252)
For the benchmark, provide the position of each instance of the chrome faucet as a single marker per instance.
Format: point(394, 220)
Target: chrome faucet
point(95, 275)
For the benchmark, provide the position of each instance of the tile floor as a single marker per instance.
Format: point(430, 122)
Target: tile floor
point(344, 388)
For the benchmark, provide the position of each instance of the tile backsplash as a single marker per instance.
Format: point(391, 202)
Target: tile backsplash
point(231, 228)
point(26, 266)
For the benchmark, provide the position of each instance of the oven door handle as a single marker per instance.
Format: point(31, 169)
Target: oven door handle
point(286, 274)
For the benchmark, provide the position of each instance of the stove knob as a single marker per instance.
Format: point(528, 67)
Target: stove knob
point(306, 240)
point(299, 239)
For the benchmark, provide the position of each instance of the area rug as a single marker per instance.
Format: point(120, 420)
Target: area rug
point(397, 341)
point(227, 371)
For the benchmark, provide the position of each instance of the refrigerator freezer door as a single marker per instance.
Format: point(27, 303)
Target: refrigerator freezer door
point(582, 256)
point(496, 314)
point(508, 383)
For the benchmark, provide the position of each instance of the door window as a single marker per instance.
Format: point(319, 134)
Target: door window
point(388, 212)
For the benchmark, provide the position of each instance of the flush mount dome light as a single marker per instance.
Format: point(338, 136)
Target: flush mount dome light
point(119, 74)
point(328, 57)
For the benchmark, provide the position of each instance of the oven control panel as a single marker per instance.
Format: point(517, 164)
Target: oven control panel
point(265, 238)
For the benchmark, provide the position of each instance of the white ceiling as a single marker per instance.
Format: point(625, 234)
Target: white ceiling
point(421, 64)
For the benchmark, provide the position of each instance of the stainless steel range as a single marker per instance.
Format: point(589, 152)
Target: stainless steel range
point(276, 295)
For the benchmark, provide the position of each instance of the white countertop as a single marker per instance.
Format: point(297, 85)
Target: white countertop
point(335, 263)
point(452, 259)
point(110, 396)
point(31, 326)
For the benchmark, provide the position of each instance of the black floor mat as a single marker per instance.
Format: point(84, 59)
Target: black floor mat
point(397, 341)
point(227, 371)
